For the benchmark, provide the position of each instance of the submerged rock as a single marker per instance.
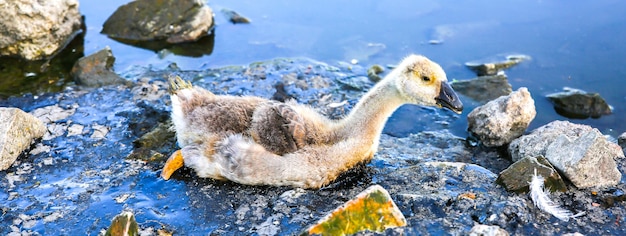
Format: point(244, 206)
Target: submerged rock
point(234, 17)
point(484, 88)
point(372, 210)
point(172, 21)
point(500, 121)
point(96, 70)
point(17, 131)
point(580, 152)
point(518, 176)
point(492, 68)
point(36, 30)
point(576, 103)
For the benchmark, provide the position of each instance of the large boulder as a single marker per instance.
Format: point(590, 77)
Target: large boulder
point(500, 121)
point(580, 152)
point(17, 131)
point(173, 21)
point(34, 30)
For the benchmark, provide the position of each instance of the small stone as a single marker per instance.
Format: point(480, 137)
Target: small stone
point(96, 70)
point(18, 129)
point(123, 224)
point(52, 217)
point(484, 88)
point(502, 120)
point(36, 30)
point(576, 103)
point(99, 131)
point(373, 73)
point(587, 161)
point(373, 209)
point(75, 129)
point(173, 21)
point(487, 230)
point(517, 176)
point(52, 113)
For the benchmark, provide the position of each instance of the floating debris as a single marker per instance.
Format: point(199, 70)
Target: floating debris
point(373, 209)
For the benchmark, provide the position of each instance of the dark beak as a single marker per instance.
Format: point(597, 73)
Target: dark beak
point(447, 98)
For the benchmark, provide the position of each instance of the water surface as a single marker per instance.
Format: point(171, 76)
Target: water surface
point(576, 44)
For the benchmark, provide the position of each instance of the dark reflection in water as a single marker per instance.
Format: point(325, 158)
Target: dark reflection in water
point(202, 47)
point(18, 76)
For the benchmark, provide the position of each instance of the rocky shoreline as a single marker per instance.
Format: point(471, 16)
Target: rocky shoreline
point(89, 168)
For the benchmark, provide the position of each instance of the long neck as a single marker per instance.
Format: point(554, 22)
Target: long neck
point(369, 116)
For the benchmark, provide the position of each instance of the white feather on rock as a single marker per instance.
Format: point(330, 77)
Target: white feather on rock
point(543, 202)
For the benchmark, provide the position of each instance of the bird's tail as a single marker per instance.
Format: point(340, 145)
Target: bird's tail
point(177, 84)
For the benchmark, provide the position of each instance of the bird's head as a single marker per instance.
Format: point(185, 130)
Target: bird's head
point(423, 82)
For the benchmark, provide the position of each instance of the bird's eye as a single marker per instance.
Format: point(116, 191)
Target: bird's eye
point(425, 78)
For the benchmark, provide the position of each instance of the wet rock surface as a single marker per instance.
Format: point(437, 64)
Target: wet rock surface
point(36, 30)
point(576, 103)
point(152, 20)
point(483, 88)
point(502, 120)
point(75, 179)
point(518, 176)
point(18, 130)
point(96, 70)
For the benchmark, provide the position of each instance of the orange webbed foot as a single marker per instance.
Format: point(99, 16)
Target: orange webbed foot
point(173, 163)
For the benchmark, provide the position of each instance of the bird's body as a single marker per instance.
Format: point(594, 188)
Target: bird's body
point(251, 140)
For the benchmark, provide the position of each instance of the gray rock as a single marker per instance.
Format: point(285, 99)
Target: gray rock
point(172, 21)
point(487, 230)
point(535, 143)
point(96, 70)
point(484, 88)
point(500, 121)
point(36, 30)
point(518, 176)
point(576, 103)
point(17, 131)
point(587, 161)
